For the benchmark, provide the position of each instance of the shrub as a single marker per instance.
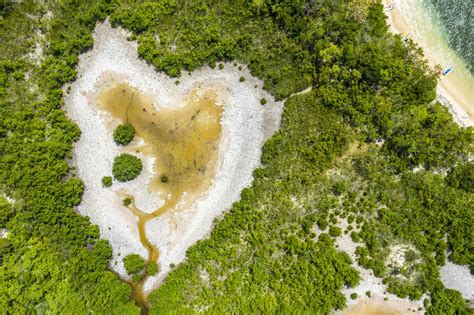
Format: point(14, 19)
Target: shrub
point(354, 296)
point(334, 231)
point(126, 167)
point(242, 79)
point(133, 263)
point(221, 66)
point(152, 268)
point(263, 101)
point(410, 256)
point(107, 181)
point(355, 236)
point(339, 187)
point(137, 278)
point(127, 201)
point(322, 223)
point(123, 134)
point(164, 178)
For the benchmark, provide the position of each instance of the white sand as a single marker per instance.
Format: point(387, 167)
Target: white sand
point(459, 278)
point(246, 125)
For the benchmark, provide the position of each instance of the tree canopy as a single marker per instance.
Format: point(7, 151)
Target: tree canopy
point(408, 180)
point(126, 167)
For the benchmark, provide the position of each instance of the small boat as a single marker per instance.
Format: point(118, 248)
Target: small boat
point(447, 70)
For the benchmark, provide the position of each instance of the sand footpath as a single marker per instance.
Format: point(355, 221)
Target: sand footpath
point(246, 125)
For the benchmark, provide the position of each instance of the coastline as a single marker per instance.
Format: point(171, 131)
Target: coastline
point(457, 98)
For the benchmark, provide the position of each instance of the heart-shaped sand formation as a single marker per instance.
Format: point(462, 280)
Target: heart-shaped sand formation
point(205, 134)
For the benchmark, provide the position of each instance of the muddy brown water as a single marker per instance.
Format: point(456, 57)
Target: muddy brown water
point(184, 142)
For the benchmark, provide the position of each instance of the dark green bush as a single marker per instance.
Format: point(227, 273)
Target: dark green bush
point(126, 167)
point(263, 101)
point(334, 231)
point(127, 201)
point(123, 134)
point(355, 236)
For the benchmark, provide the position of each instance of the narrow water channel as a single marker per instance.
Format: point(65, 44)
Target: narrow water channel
point(184, 142)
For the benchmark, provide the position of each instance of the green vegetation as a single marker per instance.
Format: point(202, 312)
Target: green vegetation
point(127, 201)
point(52, 260)
point(241, 79)
point(107, 181)
point(263, 101)
point(133, 263)
point(266, 224)
point(124, 134)
point(164, 178)
point(137, 267)
point(368, 89)
point(353, 296)
point(152, 268)
point(335, 231)
point(126, 167)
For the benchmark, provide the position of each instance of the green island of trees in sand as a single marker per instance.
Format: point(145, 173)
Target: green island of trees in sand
point(263, 256)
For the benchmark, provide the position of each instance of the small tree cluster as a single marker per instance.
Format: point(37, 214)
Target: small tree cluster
point(126, 167)
point(137, 268)
point(124, 134)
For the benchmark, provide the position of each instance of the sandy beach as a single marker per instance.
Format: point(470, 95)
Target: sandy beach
point(456, 90)
point(246, 125)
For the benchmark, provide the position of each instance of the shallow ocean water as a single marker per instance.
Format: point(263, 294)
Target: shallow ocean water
point(455, 19)
point(439, 33)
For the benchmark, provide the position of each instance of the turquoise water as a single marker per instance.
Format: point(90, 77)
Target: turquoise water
point(455, 20)
point(443, 29)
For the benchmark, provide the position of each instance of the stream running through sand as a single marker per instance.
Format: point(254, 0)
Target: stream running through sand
point(184, 143)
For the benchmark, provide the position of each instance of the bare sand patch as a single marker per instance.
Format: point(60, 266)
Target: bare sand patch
point(458, 277)
point(379, 306)
point(246, 124)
